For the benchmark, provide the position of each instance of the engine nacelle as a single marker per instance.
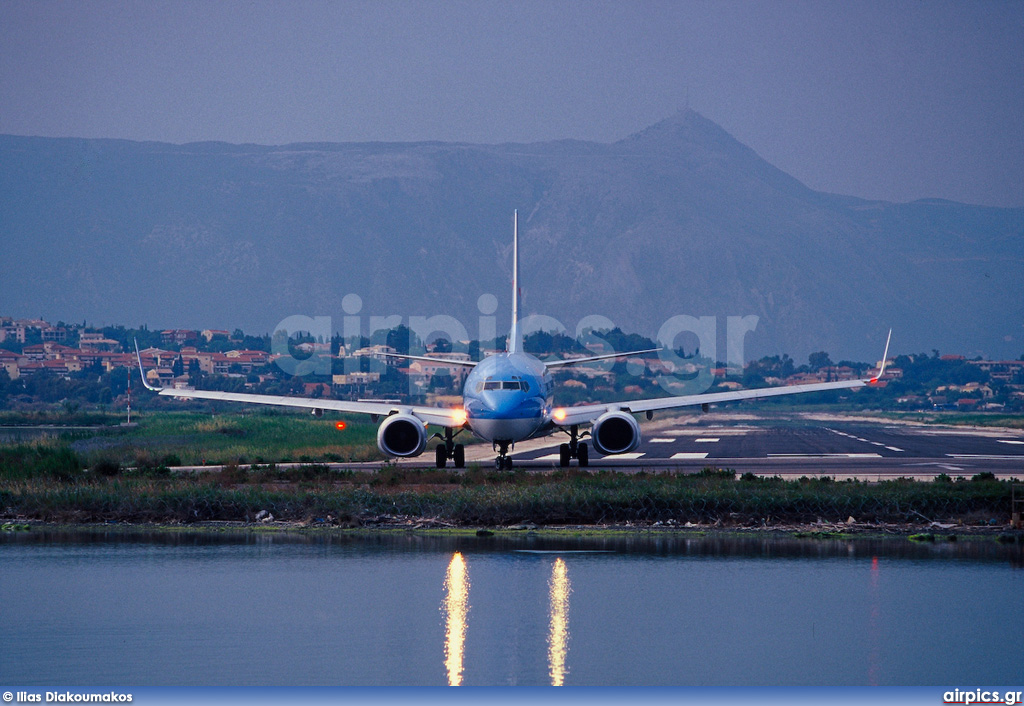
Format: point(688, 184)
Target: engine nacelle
point(615, 433)
point(402, 435)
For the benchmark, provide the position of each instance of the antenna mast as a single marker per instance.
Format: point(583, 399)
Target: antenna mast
point(129, 395)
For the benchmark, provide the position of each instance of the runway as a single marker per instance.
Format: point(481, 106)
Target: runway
point(787, 446)
point(831, 446)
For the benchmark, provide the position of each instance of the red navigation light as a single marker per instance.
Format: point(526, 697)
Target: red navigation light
point(340, 426)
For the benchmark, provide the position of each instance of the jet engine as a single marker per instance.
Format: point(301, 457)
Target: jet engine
point(615, 433)
point(402, 435)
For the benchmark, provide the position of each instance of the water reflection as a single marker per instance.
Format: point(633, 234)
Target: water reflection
point(639, 545)
point(558, 635)
point(175, 607)
point(456, 606)
point(874, 629)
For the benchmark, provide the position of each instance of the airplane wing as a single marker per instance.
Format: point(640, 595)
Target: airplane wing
point(586, 414)
point(432, 359)
point(549, 364)
point(606, 356)
point(442, 416)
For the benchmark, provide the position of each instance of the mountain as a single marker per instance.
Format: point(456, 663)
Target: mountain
point(677, 219)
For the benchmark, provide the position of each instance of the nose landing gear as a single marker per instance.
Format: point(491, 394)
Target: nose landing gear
point(502, 462)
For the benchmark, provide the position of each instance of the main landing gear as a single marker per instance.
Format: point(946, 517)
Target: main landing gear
point(574, 449)
point(450, 450)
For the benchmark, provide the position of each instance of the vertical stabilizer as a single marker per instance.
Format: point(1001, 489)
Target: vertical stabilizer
point(515, 340)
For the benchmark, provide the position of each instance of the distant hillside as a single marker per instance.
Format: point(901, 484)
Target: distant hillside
point(679, 218)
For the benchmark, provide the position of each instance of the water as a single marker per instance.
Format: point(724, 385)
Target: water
point(258, 609)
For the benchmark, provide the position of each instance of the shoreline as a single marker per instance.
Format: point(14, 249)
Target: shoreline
point(935, 532)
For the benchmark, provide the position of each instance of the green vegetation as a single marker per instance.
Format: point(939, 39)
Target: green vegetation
point(196, 438)
point(41, 482)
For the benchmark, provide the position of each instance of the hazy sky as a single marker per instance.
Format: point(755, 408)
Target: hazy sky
point(892, 100)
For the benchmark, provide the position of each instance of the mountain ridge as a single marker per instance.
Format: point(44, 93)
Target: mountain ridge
point(677, 219)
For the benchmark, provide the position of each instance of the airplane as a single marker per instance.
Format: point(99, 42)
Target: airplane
point(508, 398)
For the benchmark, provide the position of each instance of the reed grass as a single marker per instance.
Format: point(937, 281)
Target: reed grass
point(315, 494)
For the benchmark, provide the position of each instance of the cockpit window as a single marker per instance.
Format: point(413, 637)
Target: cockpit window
point(500, 385)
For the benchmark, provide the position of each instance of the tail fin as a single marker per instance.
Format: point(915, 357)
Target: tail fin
point(515, 339)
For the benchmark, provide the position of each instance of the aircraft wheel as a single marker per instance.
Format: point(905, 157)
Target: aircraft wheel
point(459, 456)
point(441, 455)
point(563, 455)
point(583, 455)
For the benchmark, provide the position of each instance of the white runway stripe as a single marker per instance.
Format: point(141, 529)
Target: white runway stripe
point(690, 455)
point(868, 455)
point(662, 440)
point(705, 440)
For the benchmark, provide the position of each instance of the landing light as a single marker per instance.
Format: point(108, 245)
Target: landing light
point(340, 426)
point(558, 414)
point(459, 417)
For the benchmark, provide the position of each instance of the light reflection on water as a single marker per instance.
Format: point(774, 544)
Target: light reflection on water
point(456, 606)
point(558, 637)
point(321, 608)
point(456, 609)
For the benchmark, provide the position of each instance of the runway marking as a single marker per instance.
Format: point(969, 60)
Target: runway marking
point(721, 431)
point(947, 466)
point(867, 455)
point(893, 448)
point(662, 440)
point(556, 457)
point(1009, 441)
point(688, 455)
point(706, 440)
point(954, 432)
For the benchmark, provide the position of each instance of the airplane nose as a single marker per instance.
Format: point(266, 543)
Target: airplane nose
point(505, 404)
point(501, 403)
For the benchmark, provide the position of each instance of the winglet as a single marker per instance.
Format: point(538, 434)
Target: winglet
point(885, 356)
point(142, 372)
